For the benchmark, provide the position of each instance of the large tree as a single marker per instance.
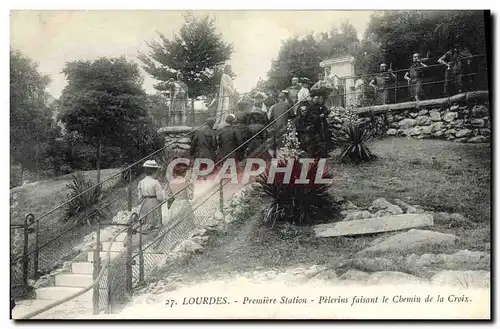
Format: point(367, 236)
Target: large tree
point(300, 57)
point(402, 33)
point(31, 124)
point(197, 50)
point(105, 103)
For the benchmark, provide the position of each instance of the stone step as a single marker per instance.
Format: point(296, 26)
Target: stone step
point(58, 293)
point(116, 246)
point(106, 236)
point(73, 280)
point(82, 268)
point(374, 225)
point(103, 255)
point(27, 306)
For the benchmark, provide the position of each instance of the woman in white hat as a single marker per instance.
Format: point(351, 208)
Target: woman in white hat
point(151, 195)
point(181, 214)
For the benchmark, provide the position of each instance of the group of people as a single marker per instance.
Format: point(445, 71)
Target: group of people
point(258, 131)
point(421, 77)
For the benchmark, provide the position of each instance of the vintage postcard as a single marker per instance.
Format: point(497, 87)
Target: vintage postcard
point(250, 164)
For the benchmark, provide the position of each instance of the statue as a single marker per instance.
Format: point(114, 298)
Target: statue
point(179, 100)
point(224, 104)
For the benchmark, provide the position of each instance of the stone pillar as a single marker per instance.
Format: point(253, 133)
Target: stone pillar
point(343, 68)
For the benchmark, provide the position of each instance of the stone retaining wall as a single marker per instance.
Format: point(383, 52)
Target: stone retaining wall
point(462, 118)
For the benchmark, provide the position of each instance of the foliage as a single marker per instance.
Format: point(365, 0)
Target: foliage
point(296, 203)
point(297, 57)
point(402, 33)
point(158, 108)
point(104, 103)
point(84, 204)
point(197, 51)
point(377, 124)
point(291, 145)
point(301, 57)
point(290, 201)
point(31, 124)
point(391, 37)
point(353, 139)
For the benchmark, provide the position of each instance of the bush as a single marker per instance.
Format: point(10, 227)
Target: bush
point(84, 204)
point(353, 141)
point(296, 203)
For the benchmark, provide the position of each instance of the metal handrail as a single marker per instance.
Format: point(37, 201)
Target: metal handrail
point(139, 222)
point(96, 281)
point(412, 85)
point(126, 168)
point(71, 228)
point(403, 70)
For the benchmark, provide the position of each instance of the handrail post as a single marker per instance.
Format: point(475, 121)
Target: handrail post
point(129, 190)
point(128, 269)
point(37, 251)
point(96, 262)
point(141, 255)
point(221, 197)
point(25, 250)
point(396, 89)
point(108, 288)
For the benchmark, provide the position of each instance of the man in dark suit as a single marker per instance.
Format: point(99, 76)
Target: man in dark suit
point(203, 143)
point(227, 139)
point(242, 135)
point(279, 113)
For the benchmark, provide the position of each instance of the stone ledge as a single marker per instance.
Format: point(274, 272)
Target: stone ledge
point(175, 130)
point(464, 97)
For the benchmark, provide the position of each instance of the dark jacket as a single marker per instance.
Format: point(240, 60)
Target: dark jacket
point(203, 143)
point(227, 141)
point(242, 135)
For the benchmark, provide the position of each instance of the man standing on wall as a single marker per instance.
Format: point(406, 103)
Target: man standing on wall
point(457, 61)
point(414, 77)
point(293, 91)
point(381, 84)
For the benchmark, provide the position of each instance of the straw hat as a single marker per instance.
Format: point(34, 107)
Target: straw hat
point(151, 164)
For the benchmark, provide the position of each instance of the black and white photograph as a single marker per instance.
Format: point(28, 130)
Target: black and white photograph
point(250, 164)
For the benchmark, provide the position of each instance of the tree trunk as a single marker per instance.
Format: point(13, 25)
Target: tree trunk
point(98, 161)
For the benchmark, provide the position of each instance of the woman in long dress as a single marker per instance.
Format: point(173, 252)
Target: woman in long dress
point(151, 195)
point(226, 91)
point(180, 217)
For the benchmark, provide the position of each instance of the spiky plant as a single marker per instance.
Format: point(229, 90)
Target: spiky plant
point(296, 203)
point(289, 201)
point(354, 142)
point(84, 204)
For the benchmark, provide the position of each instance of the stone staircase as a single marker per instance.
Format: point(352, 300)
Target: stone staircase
point(80, 274)
point(76, 279)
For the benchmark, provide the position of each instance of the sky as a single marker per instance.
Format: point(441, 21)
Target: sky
point(52, 38)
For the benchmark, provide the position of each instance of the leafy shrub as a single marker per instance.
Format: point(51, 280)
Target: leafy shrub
point(84, 204)
point(353, 142)
point(296, 203)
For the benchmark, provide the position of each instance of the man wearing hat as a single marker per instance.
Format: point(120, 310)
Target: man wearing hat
point(203, 142)
point(258, 103)
point(293, 91)
point(304, 90)
point(151, 195)
point(227, 139)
